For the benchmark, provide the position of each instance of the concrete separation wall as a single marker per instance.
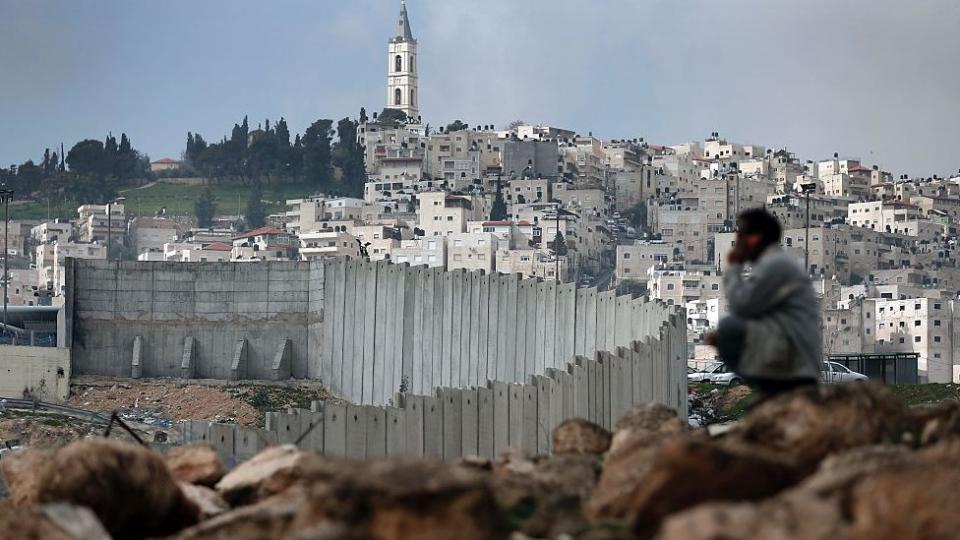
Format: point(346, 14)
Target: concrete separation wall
point(44, 372)
point(366, 330)
point(189, 317)
point(485, 420)
point(393, 328)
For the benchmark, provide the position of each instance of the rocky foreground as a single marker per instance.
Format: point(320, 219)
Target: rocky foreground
point(834, 462)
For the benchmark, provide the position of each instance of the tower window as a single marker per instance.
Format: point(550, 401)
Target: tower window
point(411, 64)
point(397, 96)
point(398, 64)
point(413, 101)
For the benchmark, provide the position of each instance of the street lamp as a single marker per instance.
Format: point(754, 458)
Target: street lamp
point(5, 196)
point(807, 189)
point(118, 200)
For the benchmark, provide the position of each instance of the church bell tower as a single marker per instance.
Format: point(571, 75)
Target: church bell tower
point(402, 92)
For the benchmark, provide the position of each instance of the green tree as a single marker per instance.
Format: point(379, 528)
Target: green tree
point(256, 214)
point(632, 287)
point(392, 118)
point(457, 125)
point(637, 215)
point(205, 207)
point(498, 212)
point(559, 244)
point(348, 156)
point(317, 158)
point(86, 157)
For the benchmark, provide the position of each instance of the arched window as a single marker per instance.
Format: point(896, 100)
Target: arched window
point(398, 63)
point(411, 64)
point(413, 100)
point(397, 96)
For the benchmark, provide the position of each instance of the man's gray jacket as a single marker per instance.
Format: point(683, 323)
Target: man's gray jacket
point(782, 317)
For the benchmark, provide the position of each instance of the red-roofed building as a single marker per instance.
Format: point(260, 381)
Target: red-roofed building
point(165, 164)
point(265, 244)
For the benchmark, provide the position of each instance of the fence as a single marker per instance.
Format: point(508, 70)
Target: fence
point(485, 420)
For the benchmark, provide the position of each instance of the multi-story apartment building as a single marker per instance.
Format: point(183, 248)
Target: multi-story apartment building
point(634, 261)
point(884, 216)
point(920, 325)
point(678, 287)
point(427, 251)
point(327, 243)
point(472, 251)
point(264, 244)
point(150, 234)
point(94, 224)
point(442, 214)
point(532, 263)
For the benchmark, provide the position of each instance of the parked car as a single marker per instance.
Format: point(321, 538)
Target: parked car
point(724, 376)
point(835, 373)
point(703, 375)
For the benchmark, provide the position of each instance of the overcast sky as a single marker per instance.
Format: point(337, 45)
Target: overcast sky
point(875, 79)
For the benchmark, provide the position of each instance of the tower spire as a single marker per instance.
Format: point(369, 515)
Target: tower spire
point(403, 25)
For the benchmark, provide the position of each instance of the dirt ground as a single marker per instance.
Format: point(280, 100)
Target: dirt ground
point(163, 400)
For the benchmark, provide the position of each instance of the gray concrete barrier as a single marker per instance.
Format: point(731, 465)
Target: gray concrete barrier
point(474, 420)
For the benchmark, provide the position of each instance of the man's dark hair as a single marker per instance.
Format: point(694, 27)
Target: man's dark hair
point(759, 221)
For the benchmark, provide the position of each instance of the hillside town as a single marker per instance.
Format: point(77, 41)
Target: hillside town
point(646, 217)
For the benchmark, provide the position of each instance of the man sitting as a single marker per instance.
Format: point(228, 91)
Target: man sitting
point(772, 336)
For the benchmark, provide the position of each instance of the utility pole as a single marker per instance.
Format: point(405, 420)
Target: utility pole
point(5, 195)
point(556, 253)
point(109, 229)
point(807, 188)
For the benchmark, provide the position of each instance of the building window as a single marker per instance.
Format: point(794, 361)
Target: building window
point(936, 339)
point(397, 96)
point(936, 322)
point(413, 100)
point(626, 255)
point(916, 323)
point(916, 339)
point(398, 64)
point(669, 286)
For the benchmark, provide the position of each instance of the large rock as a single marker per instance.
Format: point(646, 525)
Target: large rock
point(808, 424)
point(648, 421)
point(546, 499)
point(195, 464)
point(578, 436)
point(22, 471)
point(930, 424)
point(782, 518)
point(207, 501)
point(270, 518)
point(908, 502)
point(653, 482)
point(273, 471)
point(50, 522)
point(406, 499)
point(838, 474)
point(651, 416)
point(128, 487)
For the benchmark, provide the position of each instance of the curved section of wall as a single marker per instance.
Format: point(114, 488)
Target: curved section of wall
point(391, 328)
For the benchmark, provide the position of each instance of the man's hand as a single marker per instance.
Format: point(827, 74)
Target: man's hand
point(736, 255)
point(710, 338)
